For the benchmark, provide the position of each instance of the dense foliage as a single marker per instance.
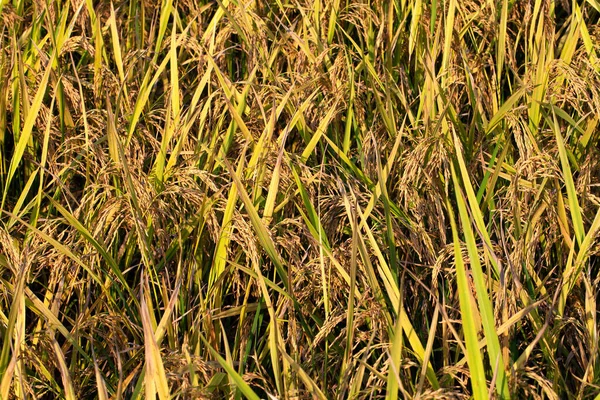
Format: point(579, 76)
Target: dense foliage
point(298, 199)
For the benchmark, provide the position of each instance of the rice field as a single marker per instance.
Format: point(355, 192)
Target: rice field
point(299, 199)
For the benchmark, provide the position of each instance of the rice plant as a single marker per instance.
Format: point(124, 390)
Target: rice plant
point(299, 199)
